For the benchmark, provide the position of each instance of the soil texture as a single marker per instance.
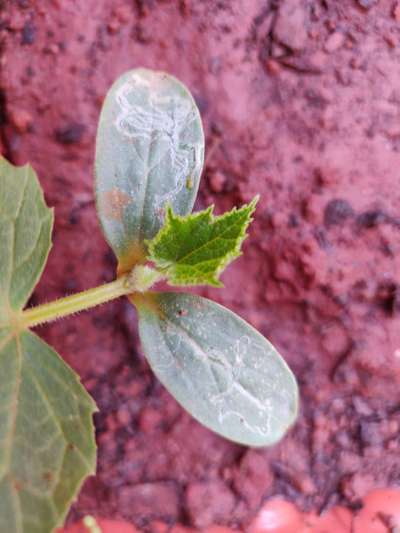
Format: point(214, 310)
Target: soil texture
point(301, 104)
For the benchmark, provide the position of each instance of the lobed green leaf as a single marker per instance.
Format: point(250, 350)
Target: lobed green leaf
point(25, 235)
point(47, 445)
point(46, 435)
point(218, 367)
point(196, 248)
point(149, 152)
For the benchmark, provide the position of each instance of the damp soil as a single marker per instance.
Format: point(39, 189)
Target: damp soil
point(301, 104)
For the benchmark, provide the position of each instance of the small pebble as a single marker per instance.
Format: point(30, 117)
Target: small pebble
point(277, 515)
point(217, 182)
point(21, 119)
point(334, 41)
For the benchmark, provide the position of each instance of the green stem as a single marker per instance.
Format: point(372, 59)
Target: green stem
point(139, 280)
point(75, 303)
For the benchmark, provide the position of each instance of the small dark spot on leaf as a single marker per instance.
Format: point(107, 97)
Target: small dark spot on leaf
point(28, 33)
point(113, 203)
point(48, 476)
point(337, 211)
point(70, 134)
point(182, 312)
point(71, 447)
point(17, 485)
point(160, 213)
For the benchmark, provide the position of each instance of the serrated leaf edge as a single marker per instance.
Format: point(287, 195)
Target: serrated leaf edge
point(28, 169)
point(224, 261)
point(16, 329)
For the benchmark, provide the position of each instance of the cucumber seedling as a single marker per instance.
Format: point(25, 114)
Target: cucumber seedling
point(149, 158)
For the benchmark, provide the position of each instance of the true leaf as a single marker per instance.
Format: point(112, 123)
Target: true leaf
point(46, 435)
point(195, 249)
point(47, 442)
point(218, 367)
point(149, 152)
point(25, 235)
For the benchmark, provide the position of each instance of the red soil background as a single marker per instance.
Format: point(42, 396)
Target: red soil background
point(301, 104)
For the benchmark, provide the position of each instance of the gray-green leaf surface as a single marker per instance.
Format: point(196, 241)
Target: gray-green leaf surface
point(225, 373)
point(25, 234)
point(149, 152)
point(46, 435)
point(47, 444)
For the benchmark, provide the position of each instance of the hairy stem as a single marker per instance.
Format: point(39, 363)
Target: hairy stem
point(139, 280)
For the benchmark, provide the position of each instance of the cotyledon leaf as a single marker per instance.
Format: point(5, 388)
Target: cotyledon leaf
point(47, 444)
point(218, 367)
point(149, 152)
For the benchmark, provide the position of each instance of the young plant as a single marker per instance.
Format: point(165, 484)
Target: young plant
point(149, 158)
